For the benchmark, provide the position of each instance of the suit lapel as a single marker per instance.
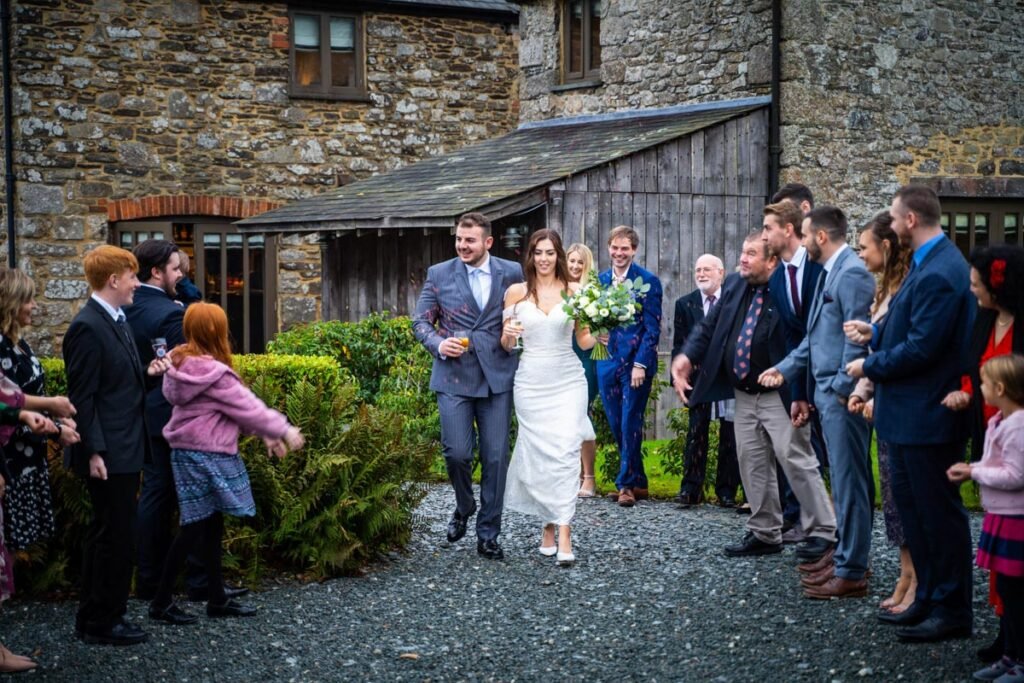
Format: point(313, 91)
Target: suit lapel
point(819, 300)
point(496, 280)
point(116, 330)
point(462, 282)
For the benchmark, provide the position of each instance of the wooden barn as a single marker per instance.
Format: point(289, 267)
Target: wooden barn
point(691, 179)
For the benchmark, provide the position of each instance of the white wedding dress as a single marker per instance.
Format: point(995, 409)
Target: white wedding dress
point(550, 395)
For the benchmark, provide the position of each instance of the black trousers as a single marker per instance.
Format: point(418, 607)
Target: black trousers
point(695, 457)
point(205, 537)
point(1011, 592)
point(107, 565)
point(157, 504)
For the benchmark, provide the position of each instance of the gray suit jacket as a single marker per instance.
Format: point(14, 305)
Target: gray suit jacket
point(446, 304)
point(846, 295)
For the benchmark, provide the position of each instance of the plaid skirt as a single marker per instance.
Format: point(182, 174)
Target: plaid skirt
point(211, 482)
point(1001, 546)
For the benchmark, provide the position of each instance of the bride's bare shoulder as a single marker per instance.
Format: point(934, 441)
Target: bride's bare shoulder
point(515, 293)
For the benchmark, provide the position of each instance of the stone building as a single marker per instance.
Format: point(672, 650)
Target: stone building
point(137, 118)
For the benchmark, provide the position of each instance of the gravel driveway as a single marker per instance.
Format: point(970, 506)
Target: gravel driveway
point(651, 598)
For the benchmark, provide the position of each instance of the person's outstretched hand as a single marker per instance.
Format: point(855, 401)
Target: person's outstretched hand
point(293, 438)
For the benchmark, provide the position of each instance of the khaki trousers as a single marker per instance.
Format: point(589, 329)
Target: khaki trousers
point(765, 435)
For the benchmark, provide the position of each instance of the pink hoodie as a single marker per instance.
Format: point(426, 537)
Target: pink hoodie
point(211, 407)
point(1001, 470)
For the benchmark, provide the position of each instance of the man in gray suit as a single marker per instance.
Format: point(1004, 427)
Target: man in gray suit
point(844, 293)
point(472, 374)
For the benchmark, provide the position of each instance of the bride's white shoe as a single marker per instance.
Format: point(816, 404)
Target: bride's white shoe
point(548, 551)
point(565, 559)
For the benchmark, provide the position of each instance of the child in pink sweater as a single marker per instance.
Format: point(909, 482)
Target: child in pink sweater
point(1000, 475)
point(211, 408)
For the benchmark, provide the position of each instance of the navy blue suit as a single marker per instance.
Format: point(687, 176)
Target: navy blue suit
point(795, 328)
point(623, 405)
point(154, 314)
point(921, 353)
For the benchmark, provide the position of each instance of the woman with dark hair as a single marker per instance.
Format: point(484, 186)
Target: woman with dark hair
point(884, 255)
point(997, 280)
point(549, 394)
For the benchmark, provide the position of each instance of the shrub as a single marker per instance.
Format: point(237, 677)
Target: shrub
point(367, 348)
point(321, 512)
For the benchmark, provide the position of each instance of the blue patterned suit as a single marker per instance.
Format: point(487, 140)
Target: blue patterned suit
point(623, 405)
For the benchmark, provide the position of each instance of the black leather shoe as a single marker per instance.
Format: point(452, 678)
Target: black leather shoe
point(687, 499)
point(726, 501)
point(230, 592)
point(490, 549)
point(230, 609)
point(932, 630)
point(751, 545)
point(121, 633)
point(912, 616)
point(813, 548)
point(457, 525)
point(172, 614)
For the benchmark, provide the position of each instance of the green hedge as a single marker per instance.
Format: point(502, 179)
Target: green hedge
point(321, 512)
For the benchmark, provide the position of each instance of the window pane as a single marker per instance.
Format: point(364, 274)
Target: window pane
point(963, 237)
point(211, 264)
point(307, 50)
point(126, 240)
point(235, 286)
point(1011, 228)
point(981, 229)
point(944, 222)
point(256, 294)
point(343, 33)
point(575, 33)
point(343, 69)
point(595, 35)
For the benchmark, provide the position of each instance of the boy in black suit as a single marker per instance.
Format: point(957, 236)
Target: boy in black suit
point(107, 383)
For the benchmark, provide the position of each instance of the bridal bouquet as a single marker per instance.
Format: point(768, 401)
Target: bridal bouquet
point(602, 308)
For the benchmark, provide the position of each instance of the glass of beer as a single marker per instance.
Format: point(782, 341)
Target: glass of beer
point(463, 337)
point(516, 323)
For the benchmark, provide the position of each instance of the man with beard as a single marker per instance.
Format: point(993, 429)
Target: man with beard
point(739, 339)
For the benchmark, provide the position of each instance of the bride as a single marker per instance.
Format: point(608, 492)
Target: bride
point(550, 395)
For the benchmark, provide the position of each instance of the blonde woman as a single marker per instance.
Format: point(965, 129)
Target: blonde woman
point(581, 263)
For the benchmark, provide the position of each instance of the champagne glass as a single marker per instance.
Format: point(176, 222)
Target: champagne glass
point(515, 322)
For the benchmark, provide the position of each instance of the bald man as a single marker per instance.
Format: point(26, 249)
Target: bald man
point(709, 271)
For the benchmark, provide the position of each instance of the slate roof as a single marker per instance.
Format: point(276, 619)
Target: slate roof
point(434, 192)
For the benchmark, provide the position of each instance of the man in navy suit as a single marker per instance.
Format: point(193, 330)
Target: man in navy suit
point(624, 380)
point(709, 271)
point(794, 285)
point(473, 382)
point(741, 337)
point(920, 353)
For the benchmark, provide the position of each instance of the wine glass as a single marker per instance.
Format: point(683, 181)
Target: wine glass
point(515, 322)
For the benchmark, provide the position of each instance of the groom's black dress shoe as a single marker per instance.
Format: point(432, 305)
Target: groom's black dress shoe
point(490, 549)
point(752, 545)
point(934, 629)
point(457, 525)
point(121, 633)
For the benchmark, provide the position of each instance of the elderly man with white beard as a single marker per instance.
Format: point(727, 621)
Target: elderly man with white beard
point(709, 271)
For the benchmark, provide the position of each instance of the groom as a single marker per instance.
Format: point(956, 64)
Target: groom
point(473, 383)
point(625, 378)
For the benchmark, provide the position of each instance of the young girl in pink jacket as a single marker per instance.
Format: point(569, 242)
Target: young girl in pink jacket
point(211, 408)
point(1000, 475)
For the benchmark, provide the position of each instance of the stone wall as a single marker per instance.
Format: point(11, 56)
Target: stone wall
point(654, 54)
point(873, 98)
point(121, 99)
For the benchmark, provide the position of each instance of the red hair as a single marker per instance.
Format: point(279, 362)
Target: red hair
point(206, 334)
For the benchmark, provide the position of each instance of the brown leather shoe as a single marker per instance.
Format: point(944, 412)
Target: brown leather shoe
point(626, 498)
point(819, 564)
point(838, 587)
point(818, 578)
point(641, 494)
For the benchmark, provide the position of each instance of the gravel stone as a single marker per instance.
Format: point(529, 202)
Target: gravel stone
point(651, 598)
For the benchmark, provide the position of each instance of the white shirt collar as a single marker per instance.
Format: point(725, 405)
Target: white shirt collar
point(717, 294)
point(832, 259)
point(484, 267)
point(798, 258)
point(115, 313)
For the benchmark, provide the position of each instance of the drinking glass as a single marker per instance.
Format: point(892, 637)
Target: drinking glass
point(518, 325)
point(463, 337)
